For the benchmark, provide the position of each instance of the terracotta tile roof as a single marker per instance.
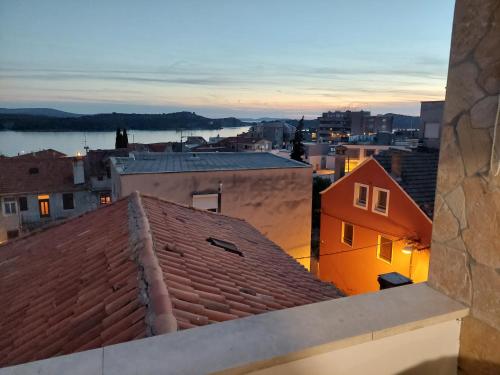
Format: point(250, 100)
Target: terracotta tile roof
point(43, 154)
point(36, 175)
point(139, 267)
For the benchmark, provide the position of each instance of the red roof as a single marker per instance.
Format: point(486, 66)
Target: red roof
point(43, 154)
point(36, 175)
point(139, 267)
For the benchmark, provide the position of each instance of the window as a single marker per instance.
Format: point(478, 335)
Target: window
point(105, 198)
point(380, 203)
point(228, 246)
point(369, 153)
point(23, 204)
point(384, 249)
point(44, 205)
point(9, 206)
point(68, 202)
point(33, 170)
point(361, 195)
point(347, 233)
point(209, 202)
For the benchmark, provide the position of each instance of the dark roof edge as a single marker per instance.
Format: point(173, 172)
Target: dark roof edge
point(159, 318)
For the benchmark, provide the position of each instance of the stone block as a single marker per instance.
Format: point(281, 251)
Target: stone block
point(451, 169)
point(479, 353)
point(449, 273)
point(475, 146)
point(482, 236)
point(446, 225)
point(486, 294)
point(484, 112)
point(468, 27)
point(456, 202)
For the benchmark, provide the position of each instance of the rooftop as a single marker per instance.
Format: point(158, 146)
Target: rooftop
point(418, 175)
point(36, 175)
point(136, 268)
point(200, 162)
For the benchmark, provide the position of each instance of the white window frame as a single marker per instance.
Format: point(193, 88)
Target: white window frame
point(379, 242)
point(375, 201)
point(357, 187)
point(342, 234)
point(10, 201)
point(206, 197)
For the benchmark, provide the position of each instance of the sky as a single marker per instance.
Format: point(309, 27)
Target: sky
point(275, 58)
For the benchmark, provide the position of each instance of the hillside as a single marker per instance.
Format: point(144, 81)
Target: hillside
point(49, 112)
point(111, 121)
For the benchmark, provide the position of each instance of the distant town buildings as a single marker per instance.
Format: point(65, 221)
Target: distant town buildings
point(337, 125)
point(279, 133)
point(377, 220)
point(272, 193)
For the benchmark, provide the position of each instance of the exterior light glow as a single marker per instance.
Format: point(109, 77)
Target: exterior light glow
point(408, 250)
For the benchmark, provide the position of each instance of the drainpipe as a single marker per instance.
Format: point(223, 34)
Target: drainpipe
point(219, 198)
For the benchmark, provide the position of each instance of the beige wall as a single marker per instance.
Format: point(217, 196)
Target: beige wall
point(429, 350)
point(10, 222)
point(465, 259)
point(275, 201)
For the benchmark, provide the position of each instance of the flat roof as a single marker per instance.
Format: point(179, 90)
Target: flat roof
point(173, 162)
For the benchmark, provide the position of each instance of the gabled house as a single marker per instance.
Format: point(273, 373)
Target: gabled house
point(136, 268)
point(373, 222)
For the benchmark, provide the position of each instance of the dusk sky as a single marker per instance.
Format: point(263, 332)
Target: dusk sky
point(279, 58)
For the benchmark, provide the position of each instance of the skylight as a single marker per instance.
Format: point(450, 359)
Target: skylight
point(227, 246)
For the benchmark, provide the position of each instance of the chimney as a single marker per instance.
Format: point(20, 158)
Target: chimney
point(78, 172)
point(396, 162)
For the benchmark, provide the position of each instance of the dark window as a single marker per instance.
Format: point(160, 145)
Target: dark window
point(347, 233)
point(228, 246)
point(12, 234)
point(363, 192)
point(33, 170)
point(23, 203)
point(369, 153)
point(385, 249)
point(68, 203)
point(382, 201)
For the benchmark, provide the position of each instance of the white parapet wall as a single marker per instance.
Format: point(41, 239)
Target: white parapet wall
point(412, 329)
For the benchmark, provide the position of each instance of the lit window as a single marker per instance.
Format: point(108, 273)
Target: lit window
point(23, 204)
point(68, 202)
point(384, 249)
point(105, 198)
point(361, 195)
point(380, 201)
point(209, 202)
point(9, 206)
point(347, 233)
point(44, 205)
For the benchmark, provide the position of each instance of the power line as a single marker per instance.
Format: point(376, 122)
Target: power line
point(349, 250)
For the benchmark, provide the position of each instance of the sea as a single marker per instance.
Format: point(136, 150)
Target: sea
point(72, 143)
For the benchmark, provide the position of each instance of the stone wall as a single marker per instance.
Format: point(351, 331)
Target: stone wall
point(465, 262)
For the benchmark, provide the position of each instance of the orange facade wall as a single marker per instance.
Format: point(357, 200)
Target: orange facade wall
point(355, 268)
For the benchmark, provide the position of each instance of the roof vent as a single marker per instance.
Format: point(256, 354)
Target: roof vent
point(33, 170)
point(227, 246)
point(194, 157)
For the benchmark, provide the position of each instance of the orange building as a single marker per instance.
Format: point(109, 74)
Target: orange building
point(377, 220)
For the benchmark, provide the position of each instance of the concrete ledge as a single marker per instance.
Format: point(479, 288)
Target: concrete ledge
point(269, 339)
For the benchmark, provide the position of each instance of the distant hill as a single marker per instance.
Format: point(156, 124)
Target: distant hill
point(49, 112)
point(111, 121)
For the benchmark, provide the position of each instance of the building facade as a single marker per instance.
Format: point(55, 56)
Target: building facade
point(272, 193)
point(36, 191)
point(371, 226)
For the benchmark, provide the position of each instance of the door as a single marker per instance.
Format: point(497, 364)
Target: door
point(43, 205)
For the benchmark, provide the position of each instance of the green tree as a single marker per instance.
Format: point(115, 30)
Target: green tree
point(298, 147)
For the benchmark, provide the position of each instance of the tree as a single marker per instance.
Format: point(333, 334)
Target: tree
point(118, 139)
point(298, 146)
point(125, 139)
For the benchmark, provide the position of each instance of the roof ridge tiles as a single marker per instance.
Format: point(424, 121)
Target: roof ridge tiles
point(160, 317)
